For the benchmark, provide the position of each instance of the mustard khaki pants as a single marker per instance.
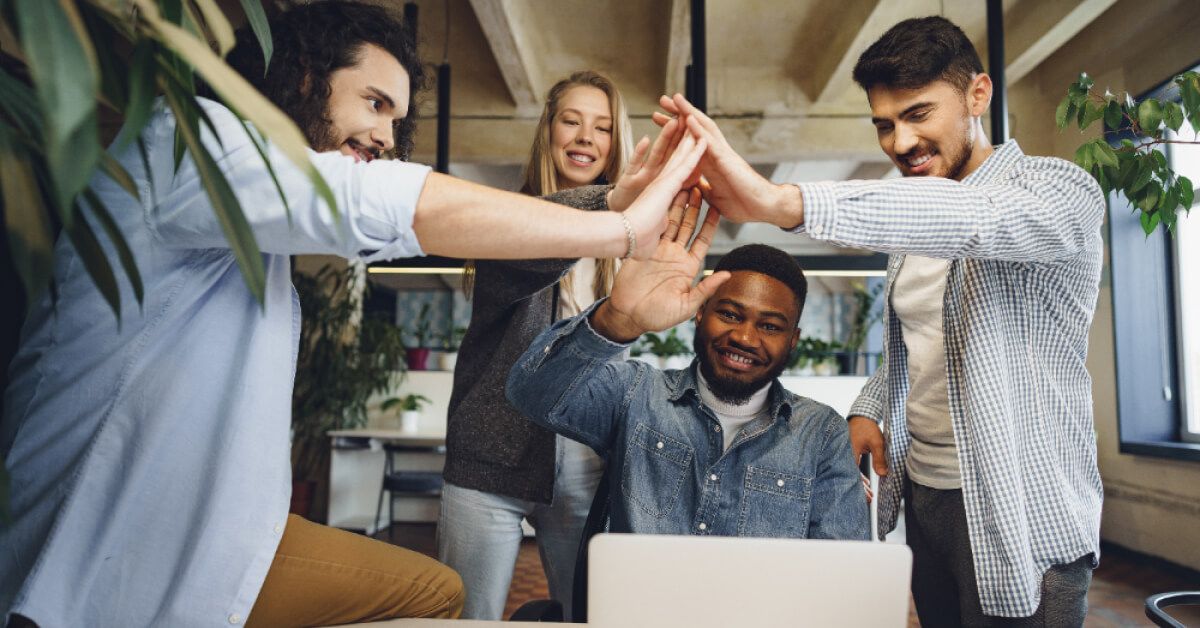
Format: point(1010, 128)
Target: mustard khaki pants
point(324, 576)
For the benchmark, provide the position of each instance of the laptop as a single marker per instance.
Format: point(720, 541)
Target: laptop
point(707, 581)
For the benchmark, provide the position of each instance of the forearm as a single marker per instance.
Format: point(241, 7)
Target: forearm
point(457, 218)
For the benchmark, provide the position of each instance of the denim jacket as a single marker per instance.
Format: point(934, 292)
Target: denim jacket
point(788, 474)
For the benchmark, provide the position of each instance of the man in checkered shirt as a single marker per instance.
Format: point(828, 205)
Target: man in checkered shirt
point(983, 397)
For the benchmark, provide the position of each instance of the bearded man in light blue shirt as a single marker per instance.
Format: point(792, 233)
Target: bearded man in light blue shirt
point(149, 456)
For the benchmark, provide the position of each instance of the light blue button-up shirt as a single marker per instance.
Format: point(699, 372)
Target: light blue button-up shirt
point(150, 457)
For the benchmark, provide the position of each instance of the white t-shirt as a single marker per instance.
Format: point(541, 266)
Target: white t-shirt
point(917, 301)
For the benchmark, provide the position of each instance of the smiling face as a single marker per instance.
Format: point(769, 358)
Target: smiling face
point(933, 130)
point(365, 101)
point(745, 333)
point(581, 136)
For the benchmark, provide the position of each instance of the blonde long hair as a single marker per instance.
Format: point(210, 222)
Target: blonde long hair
point(540, 177)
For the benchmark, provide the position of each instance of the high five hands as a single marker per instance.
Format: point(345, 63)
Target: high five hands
point(657, 293)
point(738, 192)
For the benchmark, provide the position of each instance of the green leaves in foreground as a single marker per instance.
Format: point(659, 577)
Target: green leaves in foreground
point(1137, 169)
point(51, 93)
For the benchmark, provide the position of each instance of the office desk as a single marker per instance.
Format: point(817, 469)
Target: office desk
point(356, 474)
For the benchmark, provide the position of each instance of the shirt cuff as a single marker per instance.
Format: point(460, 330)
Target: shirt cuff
point(393, 205)
point(589, 341)
point(820, 210)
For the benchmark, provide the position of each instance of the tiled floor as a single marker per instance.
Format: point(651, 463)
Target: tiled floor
point(1119, 587)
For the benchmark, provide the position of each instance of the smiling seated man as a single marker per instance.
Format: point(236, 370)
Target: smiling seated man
point(719, 448)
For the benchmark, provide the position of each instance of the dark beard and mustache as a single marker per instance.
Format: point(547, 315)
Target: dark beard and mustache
point(728, 390)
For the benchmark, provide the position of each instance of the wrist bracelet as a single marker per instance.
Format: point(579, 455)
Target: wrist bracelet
point(630, 238)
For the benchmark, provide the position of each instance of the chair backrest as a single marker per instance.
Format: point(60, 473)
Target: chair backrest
point(597, 522)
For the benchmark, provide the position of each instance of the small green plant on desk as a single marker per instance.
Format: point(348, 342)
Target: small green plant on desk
point(410, 410)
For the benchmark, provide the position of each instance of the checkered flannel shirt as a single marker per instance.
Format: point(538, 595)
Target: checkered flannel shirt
point(1023, 237)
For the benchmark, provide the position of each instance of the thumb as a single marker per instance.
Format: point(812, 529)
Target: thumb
point(705, 289)
point(879, 457)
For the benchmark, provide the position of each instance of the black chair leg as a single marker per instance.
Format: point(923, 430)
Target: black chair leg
point(391, 515)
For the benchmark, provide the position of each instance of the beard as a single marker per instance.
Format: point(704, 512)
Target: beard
point(960, 161)
point(728, 389)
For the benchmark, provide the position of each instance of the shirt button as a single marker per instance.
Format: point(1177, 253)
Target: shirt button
point(658, 445)
point(703, 526)
point(713, 477)
point(778, 482)
point(235, 619)
point(816, 230)
point(716, 428)
point(546, 350)
point(278, 529)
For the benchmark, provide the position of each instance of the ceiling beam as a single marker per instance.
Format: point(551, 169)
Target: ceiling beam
point(506, 36)
point(679, 46)
point(835, 78)
point(1037, 28)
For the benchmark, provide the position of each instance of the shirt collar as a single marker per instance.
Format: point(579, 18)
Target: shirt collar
point(1002, 158)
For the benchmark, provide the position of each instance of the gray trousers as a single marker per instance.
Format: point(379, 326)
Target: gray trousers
point(943, 578)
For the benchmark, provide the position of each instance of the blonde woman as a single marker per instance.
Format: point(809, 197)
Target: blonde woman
point(501, 468)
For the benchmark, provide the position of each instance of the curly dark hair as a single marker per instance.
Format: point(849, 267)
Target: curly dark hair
point(769, 261)
point(312, 41)
point(917, 52)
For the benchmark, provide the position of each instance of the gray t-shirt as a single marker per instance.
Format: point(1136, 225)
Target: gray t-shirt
point(917, 301)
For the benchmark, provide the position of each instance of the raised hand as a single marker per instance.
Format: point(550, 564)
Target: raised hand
point(643, 167)
point(657, 293)
point(648, 214)
point(738, 192)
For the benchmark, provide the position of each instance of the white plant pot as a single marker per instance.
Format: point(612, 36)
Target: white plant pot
point(447, 360)
point(677, 362)
point(648, 358)
point(410, 421)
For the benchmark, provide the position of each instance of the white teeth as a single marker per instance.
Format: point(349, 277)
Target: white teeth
point(737, 358)
point(587, 159)
point(918, 162)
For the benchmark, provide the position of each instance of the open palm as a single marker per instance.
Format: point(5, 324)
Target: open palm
point(657, 293)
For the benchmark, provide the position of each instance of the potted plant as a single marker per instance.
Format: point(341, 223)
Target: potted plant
point(671, 350)
point(410, 410)
point(866, 314)
point(450, 344)
point(417, 351)
point(343, 359)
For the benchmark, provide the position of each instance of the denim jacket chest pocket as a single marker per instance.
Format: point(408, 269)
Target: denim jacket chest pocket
point(656, 466)
point(775, 504)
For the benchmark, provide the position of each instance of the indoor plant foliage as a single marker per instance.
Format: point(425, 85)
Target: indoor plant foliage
point(1136, 167)
point(866, 314)
point(71, 71)
point(344, 358)
point(669, 347)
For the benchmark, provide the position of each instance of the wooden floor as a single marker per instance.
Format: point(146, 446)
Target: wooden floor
point(1119, 586)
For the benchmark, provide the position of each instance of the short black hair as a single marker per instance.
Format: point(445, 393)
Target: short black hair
point(772, 262)
point(917, 52)
point(311, 42)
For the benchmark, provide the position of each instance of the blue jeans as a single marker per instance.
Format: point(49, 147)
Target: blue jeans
point(479, 533)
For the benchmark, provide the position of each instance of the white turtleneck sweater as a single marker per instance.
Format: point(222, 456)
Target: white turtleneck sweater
point(731, 416)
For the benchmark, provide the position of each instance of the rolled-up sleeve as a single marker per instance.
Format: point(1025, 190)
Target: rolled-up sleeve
point(376, 201)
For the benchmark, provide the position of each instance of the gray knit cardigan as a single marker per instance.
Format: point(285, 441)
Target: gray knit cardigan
point(490, 446)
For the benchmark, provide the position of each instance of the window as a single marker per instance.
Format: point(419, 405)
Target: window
point(1185, 160)
point(1156, 321)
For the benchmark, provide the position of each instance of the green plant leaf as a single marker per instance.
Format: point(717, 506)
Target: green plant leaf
point(1112, 115)
point(225, 204)
point(217, 24)
point(124, 254)
point(1150, 222)
point(117, 172)
point(1150, 115)
point(1173, 115)
point(95, 262)
point(26, 218)
point(262, 152)
point(1104, 154)
point(1089, 113)
point(1187, 193)
point(63, 67)
point(1083, 156)
point(142, 91)
point(261, 27)
point(242, 98)
point(1063, 113)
